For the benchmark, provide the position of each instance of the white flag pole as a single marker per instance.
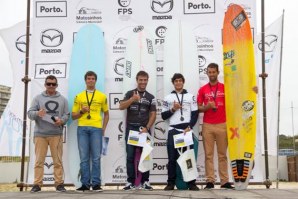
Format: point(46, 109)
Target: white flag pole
point(278, 115)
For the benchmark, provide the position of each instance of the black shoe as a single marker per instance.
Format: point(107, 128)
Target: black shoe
point(209, 185)
point(83, 188)
point(169, 187)
point(129, 186)
point(35, 189)
point(227, 186)
point(60, 188)
point(97, 188)
point(193, 187)
point(146, 186)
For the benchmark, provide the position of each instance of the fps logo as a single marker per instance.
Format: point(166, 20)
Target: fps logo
point(160, 33)
point(51, 38)
point(124, 10)
point(202, 63)
point(162, 6)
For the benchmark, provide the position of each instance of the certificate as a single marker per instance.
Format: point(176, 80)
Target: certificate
point(136, 138)
point(181, 140)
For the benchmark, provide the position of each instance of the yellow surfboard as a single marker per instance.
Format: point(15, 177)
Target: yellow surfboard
point(239, 79)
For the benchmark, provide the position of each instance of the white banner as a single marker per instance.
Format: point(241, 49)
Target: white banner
point(54, 27)
point(273, 38)
point(11, 123)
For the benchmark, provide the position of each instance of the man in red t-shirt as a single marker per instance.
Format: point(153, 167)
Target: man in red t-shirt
point(211, 101)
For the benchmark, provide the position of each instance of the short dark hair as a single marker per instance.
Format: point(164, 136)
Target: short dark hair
point(178, 76)
point(213, 65)
point(142, 73)
point(90, 73)
point(51, 77)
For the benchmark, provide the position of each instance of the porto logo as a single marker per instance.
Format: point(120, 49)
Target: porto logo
point(114, 100)
point(21, 43)
point(248, 105)
point(270, 43)
point(51, 37)
point(138, 29)
point(51, 9)
point(161, 31)
point(124, 3)
point(199, 6)
point(162, 6)
point(45, 69)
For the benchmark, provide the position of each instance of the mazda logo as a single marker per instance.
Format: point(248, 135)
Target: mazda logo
point(21, 43)
point(119, 66)
point(270, 43)
point(124, 3)
point(161, 31)
point(162, 6)
point(51, 37)
point(160, 132)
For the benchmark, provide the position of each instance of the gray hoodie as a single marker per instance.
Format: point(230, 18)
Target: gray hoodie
point(55, 105)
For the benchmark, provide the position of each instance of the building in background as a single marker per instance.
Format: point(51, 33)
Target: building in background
point(4, 97)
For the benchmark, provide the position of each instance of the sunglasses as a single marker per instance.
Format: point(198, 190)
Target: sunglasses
point(51, 84)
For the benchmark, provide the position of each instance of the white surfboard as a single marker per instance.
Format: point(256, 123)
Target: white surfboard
point(180, 56)
point(140, 55)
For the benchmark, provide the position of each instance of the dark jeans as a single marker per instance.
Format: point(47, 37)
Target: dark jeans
point(130, 156)
point(173, 155)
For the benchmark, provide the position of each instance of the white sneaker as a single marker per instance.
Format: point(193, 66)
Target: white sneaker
point(146, 186)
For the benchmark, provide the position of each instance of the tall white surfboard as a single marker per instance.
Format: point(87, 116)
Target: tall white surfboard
point(180, 56)
point(140, 55)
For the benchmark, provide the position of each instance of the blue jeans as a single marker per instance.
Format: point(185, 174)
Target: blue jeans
point(90, 146)
point(130, 156)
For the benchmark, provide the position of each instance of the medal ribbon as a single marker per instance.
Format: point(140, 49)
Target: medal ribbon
point(89, 102)
point(180, 102)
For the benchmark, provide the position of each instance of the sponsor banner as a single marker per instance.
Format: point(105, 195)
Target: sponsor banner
point(54, 26)
point(11, 123)
point(273, 38)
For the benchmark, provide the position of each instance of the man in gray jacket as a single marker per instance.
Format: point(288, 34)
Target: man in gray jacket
point(50, 112)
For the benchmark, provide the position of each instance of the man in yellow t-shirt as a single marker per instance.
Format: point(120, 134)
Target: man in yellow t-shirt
point(87, 108)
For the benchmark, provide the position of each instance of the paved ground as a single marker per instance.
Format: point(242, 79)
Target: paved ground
point(285, 191)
